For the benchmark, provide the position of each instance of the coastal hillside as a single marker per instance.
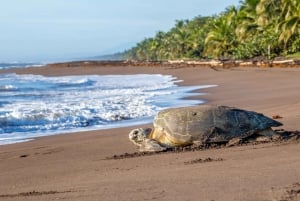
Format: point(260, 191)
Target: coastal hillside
point(255, 29)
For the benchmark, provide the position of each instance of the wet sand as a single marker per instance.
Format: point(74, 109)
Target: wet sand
point(75, 166)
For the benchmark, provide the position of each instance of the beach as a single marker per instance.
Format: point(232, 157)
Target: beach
point(81, 166)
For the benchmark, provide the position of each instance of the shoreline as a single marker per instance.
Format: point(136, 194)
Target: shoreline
point(73, 166)
point(190, 77)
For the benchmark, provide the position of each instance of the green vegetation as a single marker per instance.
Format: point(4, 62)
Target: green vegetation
point(294, 56)
point(256, 28)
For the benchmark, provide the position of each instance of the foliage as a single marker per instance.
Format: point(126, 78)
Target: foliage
point(255, 28)
point(295, 55)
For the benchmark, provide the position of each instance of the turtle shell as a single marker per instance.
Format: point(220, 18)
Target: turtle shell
point(207, 123)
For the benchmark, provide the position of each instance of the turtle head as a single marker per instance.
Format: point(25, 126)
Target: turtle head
point(139, 135)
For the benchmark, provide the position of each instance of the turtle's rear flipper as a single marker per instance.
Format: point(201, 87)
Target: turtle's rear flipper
point(149, 145)
point(266, 132)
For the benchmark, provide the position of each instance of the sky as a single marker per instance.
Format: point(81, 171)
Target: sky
point(54, 30)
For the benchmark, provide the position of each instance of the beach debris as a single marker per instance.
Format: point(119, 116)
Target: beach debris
point(204, 124)
point(277, 117)
point(256, 62)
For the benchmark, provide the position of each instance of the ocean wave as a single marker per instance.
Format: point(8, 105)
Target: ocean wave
point(8, 87)
point(16, 64)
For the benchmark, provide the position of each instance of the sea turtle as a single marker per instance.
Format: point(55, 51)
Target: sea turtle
point(201, 125)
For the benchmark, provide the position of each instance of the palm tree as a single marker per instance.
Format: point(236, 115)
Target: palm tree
point(222, 36)
point(290, 24)
point(268, 12)
point(247, 17)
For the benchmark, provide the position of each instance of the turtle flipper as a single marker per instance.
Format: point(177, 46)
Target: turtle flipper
point(266, 132)
point(149, 145)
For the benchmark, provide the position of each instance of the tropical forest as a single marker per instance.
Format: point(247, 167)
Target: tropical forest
point(253, 29)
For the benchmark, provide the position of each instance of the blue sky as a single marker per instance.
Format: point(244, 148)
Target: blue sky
point(49, 30)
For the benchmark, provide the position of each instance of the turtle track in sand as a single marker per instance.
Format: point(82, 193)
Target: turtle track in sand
point(288, 193)
point(33, 193)
point(200, 160)
point(281, 136)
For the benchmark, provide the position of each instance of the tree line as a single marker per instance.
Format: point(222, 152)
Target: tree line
point(254, 28)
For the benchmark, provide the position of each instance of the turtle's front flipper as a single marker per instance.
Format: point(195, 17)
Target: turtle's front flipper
point(149, 145)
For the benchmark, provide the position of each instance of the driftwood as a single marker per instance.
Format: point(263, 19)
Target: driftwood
point(184, 63)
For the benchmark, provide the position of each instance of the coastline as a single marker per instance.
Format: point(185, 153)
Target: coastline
point(73, 167)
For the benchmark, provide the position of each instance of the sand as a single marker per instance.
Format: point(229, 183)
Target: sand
point(75, 166)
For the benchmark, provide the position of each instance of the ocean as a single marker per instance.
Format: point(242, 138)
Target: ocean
point(33, 105)
point(6, 65)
